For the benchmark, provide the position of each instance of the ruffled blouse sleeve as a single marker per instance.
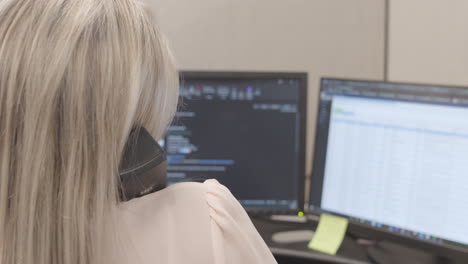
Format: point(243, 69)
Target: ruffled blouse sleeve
point(234, 237)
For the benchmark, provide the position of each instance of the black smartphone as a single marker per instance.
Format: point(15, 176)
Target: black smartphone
point(143, 166)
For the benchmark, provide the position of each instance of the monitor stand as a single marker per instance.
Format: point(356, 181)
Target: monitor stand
point(293, 236)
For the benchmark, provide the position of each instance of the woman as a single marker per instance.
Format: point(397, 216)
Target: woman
point(75, 77)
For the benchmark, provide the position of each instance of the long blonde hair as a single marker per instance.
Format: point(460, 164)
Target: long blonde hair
point(75, 77)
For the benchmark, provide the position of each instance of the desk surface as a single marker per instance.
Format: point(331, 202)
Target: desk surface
point(349, 253)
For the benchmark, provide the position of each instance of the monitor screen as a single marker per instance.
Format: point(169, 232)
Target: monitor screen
point(244, 129)
point(394, 157)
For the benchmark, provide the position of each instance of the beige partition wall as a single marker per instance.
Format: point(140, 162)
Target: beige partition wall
point(428, 41)
point(340, 38)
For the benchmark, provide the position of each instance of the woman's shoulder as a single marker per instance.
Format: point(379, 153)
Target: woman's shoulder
point(197, 188)
point(203, 220)
point(169, 221)
point(185, 191)
point(183, 198)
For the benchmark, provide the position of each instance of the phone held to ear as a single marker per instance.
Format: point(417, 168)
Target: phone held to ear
point(143, 166)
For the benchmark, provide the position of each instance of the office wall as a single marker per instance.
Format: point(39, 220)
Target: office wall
point(428, 41)
point(322, 37)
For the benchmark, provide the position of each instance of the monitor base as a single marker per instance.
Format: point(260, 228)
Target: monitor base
point(294, 236)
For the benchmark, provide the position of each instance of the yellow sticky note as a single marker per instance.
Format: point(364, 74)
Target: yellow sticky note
point(329, 234)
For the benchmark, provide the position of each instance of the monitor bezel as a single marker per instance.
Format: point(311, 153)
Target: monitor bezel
point(303, 79)
point(364, 230)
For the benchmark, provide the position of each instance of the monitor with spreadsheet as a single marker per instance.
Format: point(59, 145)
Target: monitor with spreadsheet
point(247, 130)
point(394, 157)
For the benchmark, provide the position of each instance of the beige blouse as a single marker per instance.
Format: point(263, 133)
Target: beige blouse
point(192, 223)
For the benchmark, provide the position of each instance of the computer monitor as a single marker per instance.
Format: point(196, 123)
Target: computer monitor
point(247, 130)
point(393, 157)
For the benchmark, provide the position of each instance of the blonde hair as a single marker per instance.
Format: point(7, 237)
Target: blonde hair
point(75, 77)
